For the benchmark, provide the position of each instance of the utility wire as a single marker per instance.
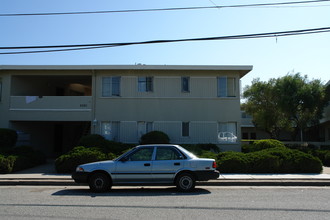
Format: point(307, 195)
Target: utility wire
point(61, 48)
point(167, 9)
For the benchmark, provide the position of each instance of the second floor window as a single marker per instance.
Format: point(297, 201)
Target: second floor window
point(111, 86)
point(145, 84)
point(226, 87)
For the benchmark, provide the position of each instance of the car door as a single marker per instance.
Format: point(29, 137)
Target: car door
point(135, 167)
point(168, 160)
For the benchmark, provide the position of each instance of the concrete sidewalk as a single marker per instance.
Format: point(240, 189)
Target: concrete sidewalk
point(46, 175)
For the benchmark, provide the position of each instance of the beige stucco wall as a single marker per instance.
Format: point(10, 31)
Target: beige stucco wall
point(167, 106)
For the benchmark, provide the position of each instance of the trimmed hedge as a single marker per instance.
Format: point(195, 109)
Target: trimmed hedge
point(201, 149)
point(272, 160)
point(8, 138)
point(324, 156)
point(67, 163)
point(155, 137)
point(259, 145)
point(105, 146)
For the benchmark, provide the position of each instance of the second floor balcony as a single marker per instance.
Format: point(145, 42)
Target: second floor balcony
point(51, 103)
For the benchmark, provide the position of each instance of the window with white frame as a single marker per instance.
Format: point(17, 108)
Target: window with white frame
point(111, 86)
point(185, 84)
point(185, 129)
point(145, 84)
point(226, 86)
point(227, 132)
point(111, 130)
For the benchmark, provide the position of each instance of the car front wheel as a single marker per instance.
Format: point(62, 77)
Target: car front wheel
point(185, 182)
point(99, 182)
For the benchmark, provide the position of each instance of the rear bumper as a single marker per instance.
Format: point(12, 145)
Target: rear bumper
point(207, 175)
point(80, 177)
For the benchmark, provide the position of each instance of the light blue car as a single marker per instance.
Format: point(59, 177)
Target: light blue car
point(148, 165)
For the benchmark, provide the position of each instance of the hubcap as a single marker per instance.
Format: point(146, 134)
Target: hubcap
point(185, 182)
point(99, 182)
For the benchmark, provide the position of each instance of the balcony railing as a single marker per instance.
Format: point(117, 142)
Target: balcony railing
point(51, 103)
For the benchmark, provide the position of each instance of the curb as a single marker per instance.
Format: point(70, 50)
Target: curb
point(232, 182)
point(261, 182)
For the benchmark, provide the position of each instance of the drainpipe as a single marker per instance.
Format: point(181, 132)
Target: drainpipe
point(93, 119)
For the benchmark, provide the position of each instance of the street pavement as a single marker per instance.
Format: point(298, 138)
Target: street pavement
point(46, 175)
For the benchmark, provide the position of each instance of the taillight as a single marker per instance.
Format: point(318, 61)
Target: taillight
point(214, 165)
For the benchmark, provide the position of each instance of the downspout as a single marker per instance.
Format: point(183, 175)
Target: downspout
point(93, 119)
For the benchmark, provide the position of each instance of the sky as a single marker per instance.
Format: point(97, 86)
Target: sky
point(270, 57)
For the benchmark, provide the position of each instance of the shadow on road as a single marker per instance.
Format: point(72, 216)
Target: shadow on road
point(131, 192)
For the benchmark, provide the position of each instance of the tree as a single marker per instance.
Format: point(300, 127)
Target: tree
point(262, 105)
point(301, 100)
point(290, 102)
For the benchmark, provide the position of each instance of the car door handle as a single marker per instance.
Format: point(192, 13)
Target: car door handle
point(147, 164)
point(176, 164)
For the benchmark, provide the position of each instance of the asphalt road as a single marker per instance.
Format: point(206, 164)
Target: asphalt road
point(76, 202)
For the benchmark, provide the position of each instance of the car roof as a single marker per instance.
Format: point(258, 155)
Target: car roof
point(158, 145)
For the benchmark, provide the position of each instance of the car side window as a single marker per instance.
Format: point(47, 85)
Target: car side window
point(165, 153)
point(143, 154)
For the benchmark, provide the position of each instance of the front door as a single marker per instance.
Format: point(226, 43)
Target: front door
point(135, 167)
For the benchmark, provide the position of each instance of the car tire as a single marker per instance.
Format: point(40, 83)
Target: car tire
point(99, 182)
point(185, 182)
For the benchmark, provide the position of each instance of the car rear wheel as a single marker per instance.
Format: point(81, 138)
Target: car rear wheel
point(185, 182)
point(99, 182)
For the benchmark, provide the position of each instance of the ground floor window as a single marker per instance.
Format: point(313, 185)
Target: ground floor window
point(227, 132)
point(144, 127)
point(111, 130)
point(185, 129)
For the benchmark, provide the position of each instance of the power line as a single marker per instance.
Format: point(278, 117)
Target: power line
point(61, 48)
point(168, 9)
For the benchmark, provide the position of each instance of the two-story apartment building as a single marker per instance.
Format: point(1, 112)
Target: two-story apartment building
point(51, 107)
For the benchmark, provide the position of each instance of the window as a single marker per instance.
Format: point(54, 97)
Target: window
point(185, 129)
point(142, 154)
point(111, 86)
point(185, 84)
point(227, 132)
point(110, 130)
point(226, 87)
point(145, 84)
point(165, 153)
point(144, 127)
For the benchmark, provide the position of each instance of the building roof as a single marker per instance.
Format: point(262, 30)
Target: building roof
point(243, 69)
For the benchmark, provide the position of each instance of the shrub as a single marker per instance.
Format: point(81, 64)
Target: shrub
point(208, 154)
point(67, 163)
point(106, 146)
point(272, 160)
point(232, 162)
point(324, 156)
point(19, 158)
point(8, 138)
point(6, 164)
point(200, 149)
point(155, 137)
point(258, 145)
point(262, 162)
point(27, 157)
point(92, 140)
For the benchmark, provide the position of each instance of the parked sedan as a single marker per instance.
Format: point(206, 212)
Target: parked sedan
point(148, 165)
